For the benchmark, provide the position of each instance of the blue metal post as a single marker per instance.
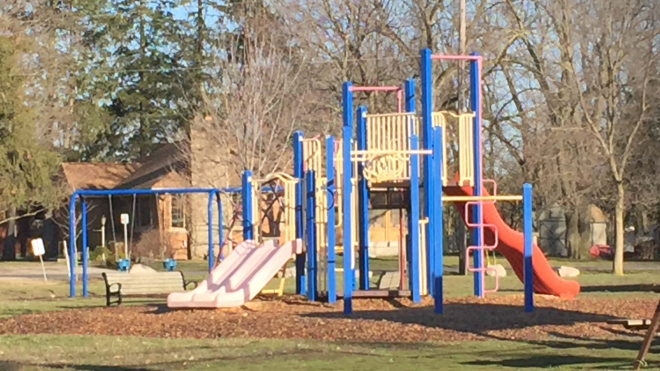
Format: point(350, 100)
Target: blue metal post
point(409, 92)
point(248, 223)
point(347, 137)
point(427, 126)
point(528, 272)
point(131, 192)
point(477, 214)
point(72, 245)
point(413, 225)
point(413, 217)
point(298, 162)
point(332, 230)
point(209, 215)
point(438, 222)
point(363, 201)
point(221, 227)
point(347, 104)
point(346, 201)
point(310, 233)
point(85, 249)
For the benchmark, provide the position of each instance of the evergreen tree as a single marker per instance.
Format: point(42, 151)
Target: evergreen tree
point(28, 162)
point(137, 64)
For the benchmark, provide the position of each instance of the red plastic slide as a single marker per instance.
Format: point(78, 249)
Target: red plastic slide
point(511, 245)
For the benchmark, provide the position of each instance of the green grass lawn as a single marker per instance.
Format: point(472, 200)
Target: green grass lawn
point(47, 352)
point(101, 353)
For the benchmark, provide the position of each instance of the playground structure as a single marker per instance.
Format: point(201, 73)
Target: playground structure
point(403, 153)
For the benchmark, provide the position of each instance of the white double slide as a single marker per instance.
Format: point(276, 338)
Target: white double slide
point(240, 277)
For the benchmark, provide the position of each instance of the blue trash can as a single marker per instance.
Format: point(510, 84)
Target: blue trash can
point(124, 265)
point(169, 265)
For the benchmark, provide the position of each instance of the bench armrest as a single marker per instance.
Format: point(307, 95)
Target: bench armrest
point(187, 283)
point(110, 293)
point(115, 291)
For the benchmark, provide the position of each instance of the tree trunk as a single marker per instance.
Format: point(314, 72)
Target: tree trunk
point(619, 230)
point(461, 242)
point(573, 238)
point(9, 253)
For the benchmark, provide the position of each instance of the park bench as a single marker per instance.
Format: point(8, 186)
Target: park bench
point(119, 285)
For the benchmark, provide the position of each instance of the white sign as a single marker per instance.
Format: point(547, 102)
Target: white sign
point(124, 219)
point(38, 248)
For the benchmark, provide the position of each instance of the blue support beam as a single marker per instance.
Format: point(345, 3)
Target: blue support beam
point(72, 245)
point(85, 249)
point(221, 228)
point(248, 222)
point(310, 234)
point(137, 192)
point(209, 212)
point(347, 175)
point(528, 270)
point(413, 224)
point(331, 218)
point(438, 222)
point(298, 162)
point(409, 95)
point(427, 126)
point(413, 217)
point(118, 192)
point(477, 210)
point(363, 201)
point(346, 201)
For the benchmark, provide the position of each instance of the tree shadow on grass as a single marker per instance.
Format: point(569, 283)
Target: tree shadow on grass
point(476, 318)
point(182, 363)
point(622, 288)
point(85, 367)
point(548, 361)
point(563, 341)
point(567, 343)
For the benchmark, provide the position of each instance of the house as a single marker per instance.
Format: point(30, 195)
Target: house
point(169, 216)
point(178, 221)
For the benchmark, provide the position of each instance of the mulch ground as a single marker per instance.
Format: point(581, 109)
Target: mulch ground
point(464, 319)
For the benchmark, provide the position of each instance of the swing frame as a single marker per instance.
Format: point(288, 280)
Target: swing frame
point(213, 193)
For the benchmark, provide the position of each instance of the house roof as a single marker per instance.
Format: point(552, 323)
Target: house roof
point(87, 175)
point(164, 165)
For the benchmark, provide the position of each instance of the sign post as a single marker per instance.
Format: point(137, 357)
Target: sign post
point(124, 220)
point(39, 250)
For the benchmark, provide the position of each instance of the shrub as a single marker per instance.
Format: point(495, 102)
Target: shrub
point(149, 247)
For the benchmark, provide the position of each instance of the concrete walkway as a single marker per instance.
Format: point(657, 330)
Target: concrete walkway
point(32, 271)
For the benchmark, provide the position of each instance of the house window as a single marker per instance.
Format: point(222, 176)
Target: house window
point(178, 211)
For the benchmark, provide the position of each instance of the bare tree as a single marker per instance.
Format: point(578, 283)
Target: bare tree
point(254, 110)
point(611, 73)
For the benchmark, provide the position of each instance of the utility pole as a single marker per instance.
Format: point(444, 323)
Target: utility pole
point(461, 107)
point(461, 51)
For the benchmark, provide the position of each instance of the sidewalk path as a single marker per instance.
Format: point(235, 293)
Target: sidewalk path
point(32, 271)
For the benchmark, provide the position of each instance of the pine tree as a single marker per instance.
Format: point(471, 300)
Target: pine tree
point(137, 64)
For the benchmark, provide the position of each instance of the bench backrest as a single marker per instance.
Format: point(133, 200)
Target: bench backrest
point(146, 283)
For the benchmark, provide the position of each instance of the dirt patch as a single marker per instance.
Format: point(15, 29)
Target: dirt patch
point(464, 319)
